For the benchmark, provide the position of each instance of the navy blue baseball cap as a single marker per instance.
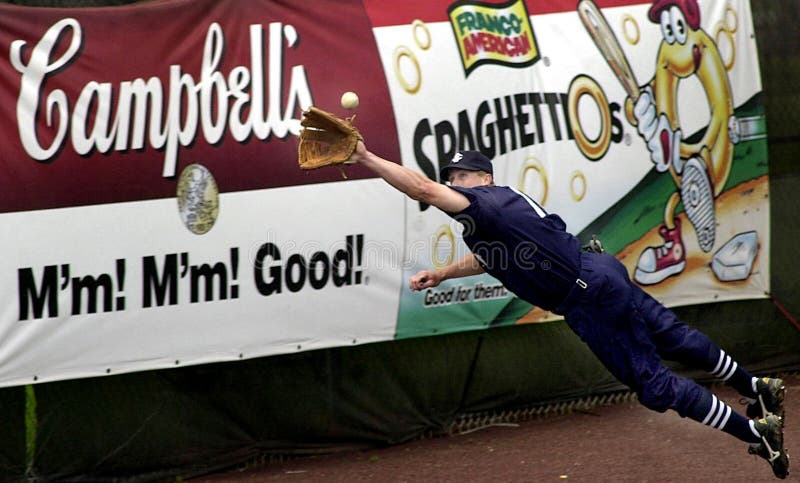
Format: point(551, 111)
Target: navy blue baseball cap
point(469, 161)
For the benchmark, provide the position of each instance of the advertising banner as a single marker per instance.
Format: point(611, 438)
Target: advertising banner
point(152, 208)
point(153, 214)
point(548, 91)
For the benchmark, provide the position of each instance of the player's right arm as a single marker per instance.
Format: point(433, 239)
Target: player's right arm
point(431, 278)
point(416, 185)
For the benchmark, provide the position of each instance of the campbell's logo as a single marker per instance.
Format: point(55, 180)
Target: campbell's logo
point(166, 117)
point(493, 34)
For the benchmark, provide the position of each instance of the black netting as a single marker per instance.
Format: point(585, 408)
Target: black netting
point(779, 54)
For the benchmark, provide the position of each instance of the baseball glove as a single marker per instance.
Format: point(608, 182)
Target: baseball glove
point(326, 139)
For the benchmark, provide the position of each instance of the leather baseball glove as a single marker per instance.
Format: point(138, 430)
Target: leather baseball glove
point(326, 139)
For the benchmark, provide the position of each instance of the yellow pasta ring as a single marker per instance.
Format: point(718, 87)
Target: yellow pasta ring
point(585, 85)
point(628, 19)
point(577, 175)
point(735, 24)
point(416, 26)
point(720, 28)
point(533, 164)
point(443, 232)
point(399, 53)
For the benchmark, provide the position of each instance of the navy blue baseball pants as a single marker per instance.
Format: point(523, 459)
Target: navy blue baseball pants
point(630, 332)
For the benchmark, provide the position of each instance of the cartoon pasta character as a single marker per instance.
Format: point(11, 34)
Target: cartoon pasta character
point(699, 169)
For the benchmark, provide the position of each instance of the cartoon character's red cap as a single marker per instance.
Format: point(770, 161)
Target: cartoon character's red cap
point(689, 8)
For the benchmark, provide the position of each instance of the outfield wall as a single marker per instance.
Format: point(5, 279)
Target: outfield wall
point(154, 424)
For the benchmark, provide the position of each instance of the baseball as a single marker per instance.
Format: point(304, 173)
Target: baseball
point(349, 100)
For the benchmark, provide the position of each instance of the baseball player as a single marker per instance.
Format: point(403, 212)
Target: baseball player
point(514, 239)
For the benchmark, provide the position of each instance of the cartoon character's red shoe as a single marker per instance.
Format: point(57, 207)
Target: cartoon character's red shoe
point(657, 263)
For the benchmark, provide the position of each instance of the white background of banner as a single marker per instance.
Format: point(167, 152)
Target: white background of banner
point(300, 220)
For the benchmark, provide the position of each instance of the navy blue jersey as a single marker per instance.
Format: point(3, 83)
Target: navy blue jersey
point(516, 241)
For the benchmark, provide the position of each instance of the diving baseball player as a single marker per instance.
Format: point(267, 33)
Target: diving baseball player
point(529, 250)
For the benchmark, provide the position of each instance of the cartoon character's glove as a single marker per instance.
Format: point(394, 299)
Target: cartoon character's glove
point(662, 142)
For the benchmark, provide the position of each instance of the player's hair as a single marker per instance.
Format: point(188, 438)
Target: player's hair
point(484, 173)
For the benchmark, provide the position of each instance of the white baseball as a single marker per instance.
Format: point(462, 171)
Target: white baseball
point(349, 100)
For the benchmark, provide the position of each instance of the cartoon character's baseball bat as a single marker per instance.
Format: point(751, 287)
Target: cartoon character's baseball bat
point(597, 26)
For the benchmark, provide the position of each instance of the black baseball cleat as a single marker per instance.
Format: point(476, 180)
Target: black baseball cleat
point(771, 446)
point(771, 392)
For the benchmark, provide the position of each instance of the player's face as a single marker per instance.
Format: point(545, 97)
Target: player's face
point(469, 179)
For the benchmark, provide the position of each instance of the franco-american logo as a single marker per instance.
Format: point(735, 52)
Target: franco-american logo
point(493, 34)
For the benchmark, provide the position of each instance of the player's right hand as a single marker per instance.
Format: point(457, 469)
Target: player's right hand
point(425, 279)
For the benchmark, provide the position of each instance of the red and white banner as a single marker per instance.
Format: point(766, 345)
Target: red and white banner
point(153, 213)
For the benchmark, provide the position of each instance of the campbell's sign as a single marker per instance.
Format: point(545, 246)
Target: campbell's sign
point(103, 111)
point(212, 104)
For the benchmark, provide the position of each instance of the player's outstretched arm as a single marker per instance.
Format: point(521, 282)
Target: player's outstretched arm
point(414, 184)
point(431, 278)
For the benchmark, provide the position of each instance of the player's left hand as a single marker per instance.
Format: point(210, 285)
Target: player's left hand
point(359, 154)
point(425, 279)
